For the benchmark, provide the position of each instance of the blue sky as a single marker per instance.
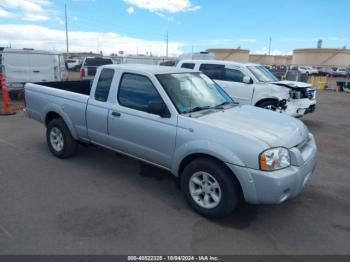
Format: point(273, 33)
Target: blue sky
point(140, 26)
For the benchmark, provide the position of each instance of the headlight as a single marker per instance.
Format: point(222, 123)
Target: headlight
point(274, 159)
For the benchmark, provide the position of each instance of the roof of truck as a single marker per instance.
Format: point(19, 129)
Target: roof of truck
point(218, 62)
point(28, 51)
point(152, 69)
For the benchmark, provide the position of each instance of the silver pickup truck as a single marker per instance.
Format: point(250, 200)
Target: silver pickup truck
point(183, 122)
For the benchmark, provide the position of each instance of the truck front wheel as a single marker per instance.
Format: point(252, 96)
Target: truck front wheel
point(210, 188)
point(269, 105)
point(59, 139)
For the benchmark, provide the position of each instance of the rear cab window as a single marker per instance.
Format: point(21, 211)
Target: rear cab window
point(137, 91)
point(104, 85)
point(214, 71)
point(188, 65)
point(96, 62)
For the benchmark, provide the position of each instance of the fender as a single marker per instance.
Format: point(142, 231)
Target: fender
point(203, 147)
point(58, 110)
point(270, 91)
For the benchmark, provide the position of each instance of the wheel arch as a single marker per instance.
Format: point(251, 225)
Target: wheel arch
point(191, 157)
point(261, 101)
point(52, 114)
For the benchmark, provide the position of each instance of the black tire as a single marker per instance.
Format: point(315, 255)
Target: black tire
point(229, 187)
point(269, 105)
point(70, 145)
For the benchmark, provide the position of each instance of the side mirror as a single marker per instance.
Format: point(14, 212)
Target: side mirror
point(247, 80)
point(158, 108)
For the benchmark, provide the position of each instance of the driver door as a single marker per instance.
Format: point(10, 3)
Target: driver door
point(135, 131)
point(234, 85)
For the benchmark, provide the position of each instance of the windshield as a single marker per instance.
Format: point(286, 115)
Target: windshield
point(262, 74)
point(193, 91)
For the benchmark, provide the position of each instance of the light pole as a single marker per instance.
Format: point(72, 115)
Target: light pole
point(66, 22)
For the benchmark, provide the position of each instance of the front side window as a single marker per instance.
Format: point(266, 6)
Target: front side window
point(188, 65)
point(137, 92)
point(262, 74)
point(215, 72)
point(191, 91)
point(104, 85)
point(233, 75)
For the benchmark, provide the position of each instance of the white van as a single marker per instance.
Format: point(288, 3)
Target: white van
point(28, 65)
point(255, 85)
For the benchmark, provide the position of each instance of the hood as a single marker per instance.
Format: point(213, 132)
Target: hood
point(293, 84)
point(273, 128)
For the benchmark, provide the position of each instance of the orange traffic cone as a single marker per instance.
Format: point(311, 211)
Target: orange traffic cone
point(5, 97)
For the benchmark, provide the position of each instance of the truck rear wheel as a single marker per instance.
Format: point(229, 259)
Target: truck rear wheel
point(59, 139)
point(210, 188)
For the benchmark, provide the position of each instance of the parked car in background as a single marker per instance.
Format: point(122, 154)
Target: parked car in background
point(253, 84)
point(307, 70)
point(73, 64)
point(28, 65)
point(183, 122)
point(278, 71)
point(341, 71)
point(90, 64)
point(327, 71)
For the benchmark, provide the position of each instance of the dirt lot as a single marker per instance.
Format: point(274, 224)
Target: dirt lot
point(102, 203)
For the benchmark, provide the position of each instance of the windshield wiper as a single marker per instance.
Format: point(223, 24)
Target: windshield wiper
point(224, 104)
point(196, 109)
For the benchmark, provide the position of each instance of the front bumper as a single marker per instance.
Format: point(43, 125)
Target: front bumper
point(300, 107)
point(276, 187)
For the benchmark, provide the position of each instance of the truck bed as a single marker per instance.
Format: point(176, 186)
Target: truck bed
point(69, 99)
point(80, 86)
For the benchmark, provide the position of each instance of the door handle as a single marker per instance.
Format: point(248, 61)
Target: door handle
point(116, 114)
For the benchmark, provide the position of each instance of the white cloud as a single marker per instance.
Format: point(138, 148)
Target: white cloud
point(130, 10)
point(29, 10)
point(265, 51)
point(39, 37)
point(222, 42)
point(35, 17)
point(171, 6)
point(6, 14)
point(312, 40)
point(75, 18)
point(165, 17)
point(27, 5)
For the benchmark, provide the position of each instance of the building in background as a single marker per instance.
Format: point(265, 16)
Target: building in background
point(230, 54)
point(322, 57)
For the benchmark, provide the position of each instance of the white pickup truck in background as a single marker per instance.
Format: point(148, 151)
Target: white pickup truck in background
point(253, 84)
